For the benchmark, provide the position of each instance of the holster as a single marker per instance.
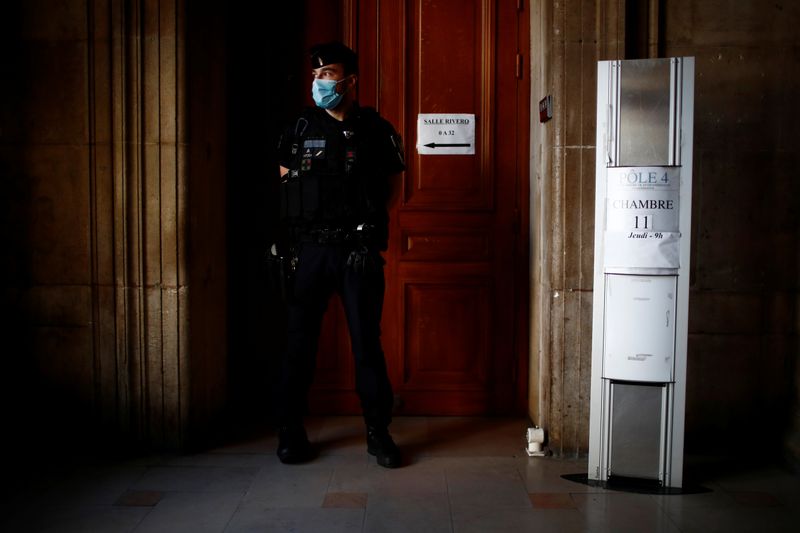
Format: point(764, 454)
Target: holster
point(280, 273)
point(362, 260)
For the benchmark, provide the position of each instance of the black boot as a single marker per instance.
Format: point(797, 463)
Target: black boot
point(381, 445)
point(293, 445)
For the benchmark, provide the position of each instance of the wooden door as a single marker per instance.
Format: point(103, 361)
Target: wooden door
point(455, 315)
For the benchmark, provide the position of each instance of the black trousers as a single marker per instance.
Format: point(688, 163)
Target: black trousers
point(322, 270)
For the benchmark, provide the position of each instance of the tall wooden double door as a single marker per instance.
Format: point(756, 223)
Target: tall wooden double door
point(454, 327)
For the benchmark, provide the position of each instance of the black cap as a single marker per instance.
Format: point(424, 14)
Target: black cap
point(334, 52)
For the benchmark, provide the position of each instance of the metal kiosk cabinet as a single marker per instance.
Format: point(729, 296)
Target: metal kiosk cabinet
point(643, 199)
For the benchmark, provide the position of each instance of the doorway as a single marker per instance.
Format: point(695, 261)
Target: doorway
point(455, 317)
point(455, 327)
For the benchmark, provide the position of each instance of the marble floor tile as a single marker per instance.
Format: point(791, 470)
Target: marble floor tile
point(255, 517)
point(75, 519)
point(503, 520)
point(460, 475)
point(372, 478)
point(411, 512)
point(620, 511)
point(482, 485)
point(191, 512)
point(290, 486)
point(345, 500)
point(197, 479)
point(551, 500)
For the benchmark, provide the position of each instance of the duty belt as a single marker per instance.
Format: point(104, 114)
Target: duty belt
point(329, 236)
point(335, 235)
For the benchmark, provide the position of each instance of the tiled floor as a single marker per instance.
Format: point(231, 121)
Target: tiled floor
point(463, 475)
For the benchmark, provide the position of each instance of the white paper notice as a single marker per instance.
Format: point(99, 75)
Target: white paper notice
point(445, 133)
point(642, 217)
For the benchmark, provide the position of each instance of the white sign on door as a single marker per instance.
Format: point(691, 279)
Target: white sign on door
point(445, 133)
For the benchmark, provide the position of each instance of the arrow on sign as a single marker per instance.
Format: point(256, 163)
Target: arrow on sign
point(444, 145)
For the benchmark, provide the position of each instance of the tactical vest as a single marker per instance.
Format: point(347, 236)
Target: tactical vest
point(334, 178)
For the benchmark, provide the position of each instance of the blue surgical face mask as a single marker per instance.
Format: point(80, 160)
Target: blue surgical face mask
point(324, 93)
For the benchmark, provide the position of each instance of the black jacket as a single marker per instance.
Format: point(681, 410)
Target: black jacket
point(339, 171)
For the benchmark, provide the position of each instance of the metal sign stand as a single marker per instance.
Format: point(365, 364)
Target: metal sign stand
point(645, 112)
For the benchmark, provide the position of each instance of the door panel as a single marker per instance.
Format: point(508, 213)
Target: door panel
point(450, 72)
point(434, 359)
point(454, 324)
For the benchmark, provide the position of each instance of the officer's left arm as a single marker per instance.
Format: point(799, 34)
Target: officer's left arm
point(395, 152)
point(395, 162)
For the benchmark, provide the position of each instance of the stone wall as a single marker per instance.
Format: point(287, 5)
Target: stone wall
point(114, 268)
point(743, 339)
point(45, 164)
point(743, 331)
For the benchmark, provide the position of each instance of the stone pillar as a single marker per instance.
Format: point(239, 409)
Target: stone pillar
point(114, 260)
point(567, 39)
point(159, 353)
point(138, 190)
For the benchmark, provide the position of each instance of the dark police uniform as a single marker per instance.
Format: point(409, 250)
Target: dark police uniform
point(334, 207)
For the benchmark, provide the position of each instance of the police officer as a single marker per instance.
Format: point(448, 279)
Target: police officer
point(336, 162)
